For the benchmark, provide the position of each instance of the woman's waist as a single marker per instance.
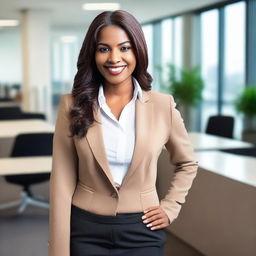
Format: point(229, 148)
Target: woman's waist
point(113, 202)
point(126, 218)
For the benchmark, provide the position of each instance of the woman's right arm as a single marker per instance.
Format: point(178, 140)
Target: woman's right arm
point(62, 182)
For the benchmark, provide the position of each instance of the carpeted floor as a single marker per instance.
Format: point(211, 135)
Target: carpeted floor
point(24, 235)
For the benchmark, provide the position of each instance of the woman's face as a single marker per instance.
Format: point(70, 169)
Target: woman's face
point(115, 58)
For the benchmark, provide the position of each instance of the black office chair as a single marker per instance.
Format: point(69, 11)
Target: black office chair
point(6, 99)
point(10, 110)
point(10, 113)
point(34, 144)
point(15, 113)
point(26, 115)
point(221, 126)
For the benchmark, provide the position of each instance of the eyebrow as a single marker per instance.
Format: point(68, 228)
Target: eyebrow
point(118, 44)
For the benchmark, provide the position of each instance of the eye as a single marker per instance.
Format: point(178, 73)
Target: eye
point(125, 48)
point(103, 49)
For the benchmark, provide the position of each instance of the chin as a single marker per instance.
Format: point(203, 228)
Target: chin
point(116, 80)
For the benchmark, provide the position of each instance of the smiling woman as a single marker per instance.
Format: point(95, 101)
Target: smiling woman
point(108, 137)
point(115, 58)
point(124, 28)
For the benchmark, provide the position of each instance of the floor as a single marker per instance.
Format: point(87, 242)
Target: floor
point(26, 235)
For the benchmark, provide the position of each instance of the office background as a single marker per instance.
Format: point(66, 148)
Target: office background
point(38, 63)
point(220, 38)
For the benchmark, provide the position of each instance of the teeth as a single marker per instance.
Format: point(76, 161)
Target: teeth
point(118, 69)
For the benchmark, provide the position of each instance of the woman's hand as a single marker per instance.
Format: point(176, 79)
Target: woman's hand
point(155, 218)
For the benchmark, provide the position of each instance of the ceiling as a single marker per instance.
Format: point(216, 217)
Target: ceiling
point(69, 12)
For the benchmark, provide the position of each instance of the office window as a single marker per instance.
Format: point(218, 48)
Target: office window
point(234, 63)
point(172, 46)
point(223, 60)
point(69, 62)
point(234, 58)
point(178, 42)
point(209, 63)
point(167, 46)
point(148, 33)
point(65, 50)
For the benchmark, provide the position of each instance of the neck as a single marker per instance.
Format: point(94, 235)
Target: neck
point(119, 91)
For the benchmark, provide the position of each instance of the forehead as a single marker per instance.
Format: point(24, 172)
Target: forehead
point(112, 35)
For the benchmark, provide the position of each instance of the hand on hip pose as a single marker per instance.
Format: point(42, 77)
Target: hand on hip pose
point(155, 218)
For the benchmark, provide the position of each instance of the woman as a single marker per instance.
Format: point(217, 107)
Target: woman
point(109, 134)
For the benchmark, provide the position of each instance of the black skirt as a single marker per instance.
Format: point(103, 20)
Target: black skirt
point(122, 235)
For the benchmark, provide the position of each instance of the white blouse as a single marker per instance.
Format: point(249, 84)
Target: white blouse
point(119, 135)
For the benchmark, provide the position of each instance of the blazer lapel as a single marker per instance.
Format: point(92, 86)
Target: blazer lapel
point(95, 139)
point(143, 124)
point(143, 117)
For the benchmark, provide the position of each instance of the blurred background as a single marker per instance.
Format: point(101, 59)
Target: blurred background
point(201, 51)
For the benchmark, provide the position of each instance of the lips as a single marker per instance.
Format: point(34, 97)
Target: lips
point(115, 70)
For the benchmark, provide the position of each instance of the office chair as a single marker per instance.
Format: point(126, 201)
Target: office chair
point(15, 113)
point(6, 99)
point(5, 111)
point(221, 126)
point(34, 144)
point(25, 115)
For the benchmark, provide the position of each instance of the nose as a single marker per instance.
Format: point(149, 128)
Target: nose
point(114, 56)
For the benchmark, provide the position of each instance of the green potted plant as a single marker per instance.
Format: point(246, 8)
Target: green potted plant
point(186, 86)
point(246, 104)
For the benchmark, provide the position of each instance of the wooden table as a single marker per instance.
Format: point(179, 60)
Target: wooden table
point(25, 165)
point(235, 167)
point(203, 141)
point(9, 129)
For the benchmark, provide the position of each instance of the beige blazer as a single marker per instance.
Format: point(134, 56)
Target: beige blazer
point(81, 175)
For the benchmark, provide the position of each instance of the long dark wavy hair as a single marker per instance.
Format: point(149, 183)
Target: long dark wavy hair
point(88, 79)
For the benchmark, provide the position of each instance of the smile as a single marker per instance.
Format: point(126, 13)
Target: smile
point(115, 70)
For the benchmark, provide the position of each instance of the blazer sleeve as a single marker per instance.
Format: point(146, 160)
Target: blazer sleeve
point(183, 158)
point(62, 182)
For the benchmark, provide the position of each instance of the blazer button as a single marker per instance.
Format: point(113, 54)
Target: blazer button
point(114, 195)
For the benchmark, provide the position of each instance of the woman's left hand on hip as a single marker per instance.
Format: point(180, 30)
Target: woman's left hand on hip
point(155, 218)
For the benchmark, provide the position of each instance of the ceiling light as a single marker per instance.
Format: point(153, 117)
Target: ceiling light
point(68, 39)
point(101, 6)
point(9, 23)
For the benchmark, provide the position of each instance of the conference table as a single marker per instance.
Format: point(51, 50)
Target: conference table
point(25, 165)
point(203, 142)
point(9, 129)
point(236, 167)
